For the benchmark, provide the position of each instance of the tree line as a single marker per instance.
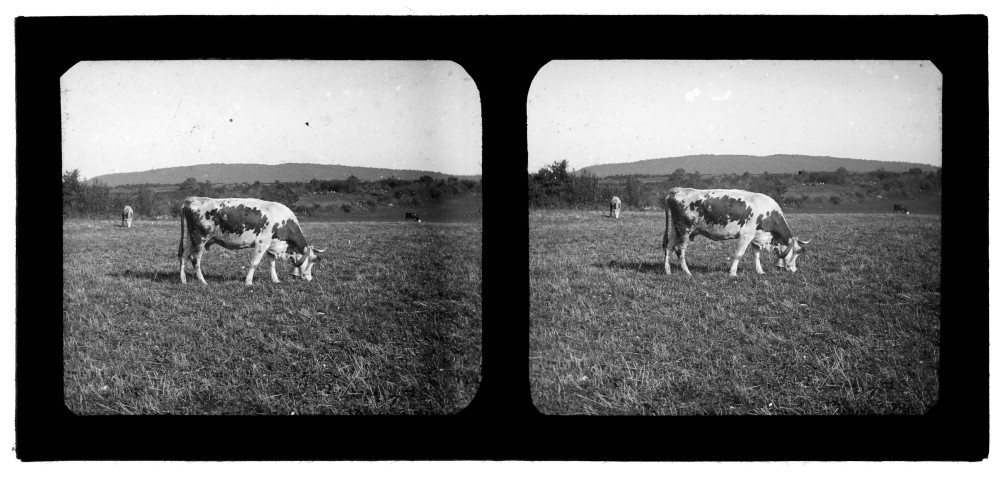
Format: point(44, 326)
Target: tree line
point(95, 199)
point(556, 186)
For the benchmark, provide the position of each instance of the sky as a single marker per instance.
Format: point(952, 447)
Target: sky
point(615, 111)
point(120, 116)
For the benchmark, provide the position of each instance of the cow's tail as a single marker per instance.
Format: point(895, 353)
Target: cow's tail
point(181, 242)
point(667, 221)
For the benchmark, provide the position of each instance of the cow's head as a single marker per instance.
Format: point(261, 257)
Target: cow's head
point(788, 253)
point(302, 263)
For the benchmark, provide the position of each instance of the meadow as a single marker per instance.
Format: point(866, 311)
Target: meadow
point(391, 324)
point(855, 331)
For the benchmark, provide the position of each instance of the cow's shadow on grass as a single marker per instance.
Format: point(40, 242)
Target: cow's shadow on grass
point(169, 276)
point(652, 267)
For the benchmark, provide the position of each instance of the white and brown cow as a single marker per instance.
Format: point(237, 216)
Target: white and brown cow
point(236, 223)
point(127, 217)
point(615, 207)
point(726, 215)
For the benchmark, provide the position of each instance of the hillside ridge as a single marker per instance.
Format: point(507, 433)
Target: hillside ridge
point(229, 173)
point(738, 164)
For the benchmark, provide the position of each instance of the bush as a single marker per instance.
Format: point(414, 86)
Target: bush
point(346, 207)
point(835, 199)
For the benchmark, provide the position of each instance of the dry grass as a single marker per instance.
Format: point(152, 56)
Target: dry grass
point(856, 330)
point(391, 324)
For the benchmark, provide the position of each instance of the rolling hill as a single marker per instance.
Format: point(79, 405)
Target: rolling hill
point(229, 173)
point(726, 164)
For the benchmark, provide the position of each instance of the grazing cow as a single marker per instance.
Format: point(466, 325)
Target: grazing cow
point(236, 223)
point(726, 215)
point(127, 217)
point(615, 207)
point(412, 216)
point(900, 208)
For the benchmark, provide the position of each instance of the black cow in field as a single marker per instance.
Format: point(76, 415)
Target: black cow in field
point(412, 216)
point(900, 208)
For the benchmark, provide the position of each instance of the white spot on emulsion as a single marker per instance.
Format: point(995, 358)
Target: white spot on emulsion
point(690, 96)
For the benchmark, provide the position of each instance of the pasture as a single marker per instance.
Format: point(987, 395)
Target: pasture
point(391, 324)
point(855, 331)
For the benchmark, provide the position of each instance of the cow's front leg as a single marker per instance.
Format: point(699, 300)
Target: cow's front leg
point(272, 268)
point(757, 255)
point(742, 246)
point(256, 259)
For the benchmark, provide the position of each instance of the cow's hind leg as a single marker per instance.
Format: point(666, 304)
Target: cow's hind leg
point(184, 253)
point(680, 248)
point(677, 245)
point(197, 261)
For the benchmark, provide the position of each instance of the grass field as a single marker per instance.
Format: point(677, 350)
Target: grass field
point(391, 324)
point(855, 331)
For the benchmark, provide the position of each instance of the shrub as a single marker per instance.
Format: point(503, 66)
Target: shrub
point(835, 199)
point(346, 207)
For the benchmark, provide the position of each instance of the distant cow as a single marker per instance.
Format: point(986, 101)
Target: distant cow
point(127, 217)
point(412, 216)
point(900, 208)
point(236, 223)
point(726, 215)
point(615, 207)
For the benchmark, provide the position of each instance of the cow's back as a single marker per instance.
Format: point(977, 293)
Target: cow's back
point(231, 218)
point(723, 211)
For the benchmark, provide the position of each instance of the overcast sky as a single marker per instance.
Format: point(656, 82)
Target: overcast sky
point(613, 111)
point(136, 116)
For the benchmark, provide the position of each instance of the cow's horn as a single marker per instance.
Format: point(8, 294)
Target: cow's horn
point(803, 242)
point(319, 250)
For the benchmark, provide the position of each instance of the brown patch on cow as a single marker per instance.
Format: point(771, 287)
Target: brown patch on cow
point(776, 225)
point(722, 210)
point(289, 231)
point(238, 219)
